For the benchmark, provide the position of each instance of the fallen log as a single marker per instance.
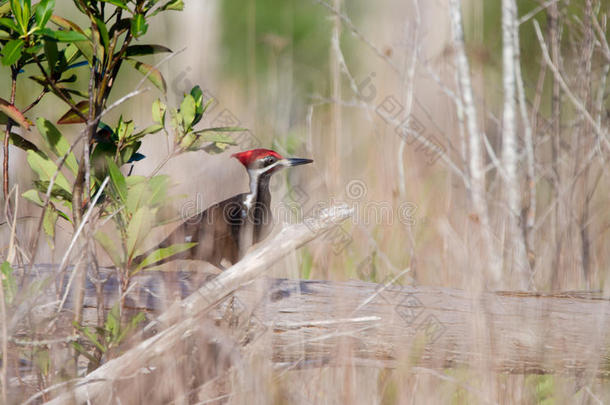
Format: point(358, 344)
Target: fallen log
point(305, 323)
point(307, 320)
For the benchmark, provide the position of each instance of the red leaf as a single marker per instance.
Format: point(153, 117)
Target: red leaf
point(13, 113)
point(73, 118)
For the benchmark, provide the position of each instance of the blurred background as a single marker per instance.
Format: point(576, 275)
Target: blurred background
point(372, 92)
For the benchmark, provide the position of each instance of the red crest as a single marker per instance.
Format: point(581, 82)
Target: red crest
point(249, 156)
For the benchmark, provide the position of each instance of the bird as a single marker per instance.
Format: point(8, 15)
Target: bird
point(226, 230)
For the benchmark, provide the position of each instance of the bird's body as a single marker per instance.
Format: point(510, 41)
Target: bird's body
point(225, 231)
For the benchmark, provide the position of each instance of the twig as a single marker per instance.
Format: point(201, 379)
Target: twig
point(7, 135)
point(58, 91)
point(348, 23)
point(162, 61)
point(575, 101)
point(526, 17)
point(36, 101)
point(380, 290)
point(45, 342)
point(75, 237)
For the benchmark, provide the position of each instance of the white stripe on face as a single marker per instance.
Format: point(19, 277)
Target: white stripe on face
point(254, 176)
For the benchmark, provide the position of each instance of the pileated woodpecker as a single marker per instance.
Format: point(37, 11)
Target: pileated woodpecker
point(227, 229)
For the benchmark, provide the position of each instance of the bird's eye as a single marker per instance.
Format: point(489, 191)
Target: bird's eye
point(269, 160)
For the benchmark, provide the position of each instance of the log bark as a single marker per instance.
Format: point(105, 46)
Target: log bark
point(308, 321)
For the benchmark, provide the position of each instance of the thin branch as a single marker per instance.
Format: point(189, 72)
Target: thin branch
point(36, 101)
point(349, 24)
point(75, 237)
point(7, 135)
point(59, 91)
point(526, 17)
point(575, 101)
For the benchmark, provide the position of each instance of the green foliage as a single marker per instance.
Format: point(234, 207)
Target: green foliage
point(542, 388)
point(51, 48)
point(8, 282)
point(109, 337)
point(57, 143)
point(163, 253)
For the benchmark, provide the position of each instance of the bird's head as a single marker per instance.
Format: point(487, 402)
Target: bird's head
point(266, 161)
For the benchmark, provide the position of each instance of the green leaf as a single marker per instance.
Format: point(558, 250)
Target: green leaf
point(93, 339)
point(103, 30)
point(9, 23)
point(13, 113)
point(18, 12)
point(217, 138)
point(153, 129)
point(158, 111)
point(139, 50)
point(50, 50)
point(56, 143)
point(71, 117)
point(21, 142)
point(33, 196)
point(135, 197)
point(11, 52)
point(135, 179)
point(138, 228)
point(118, 180)
point(109, 247)
point(188, 110)
point(153, 74)
point(46, 170)
point(42, 359)
point(197, 95)
point(194, 140)
point(125, 129)
point(118, 3)
point(9, 283)
point(223, 129)
point(129, 150)
point(176, 5)
point(5, 8)
point(158, 190)
point(135, 321)
point(113, 325)
point(49, 221)
point(58, 195)
point(138, 25)
point(163, 253)
point(66, 24)
point(214, 148)
point(44, 10)
point(79, 348)
point(63, 36)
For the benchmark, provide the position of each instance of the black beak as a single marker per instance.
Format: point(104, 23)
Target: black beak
point(297, 161)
